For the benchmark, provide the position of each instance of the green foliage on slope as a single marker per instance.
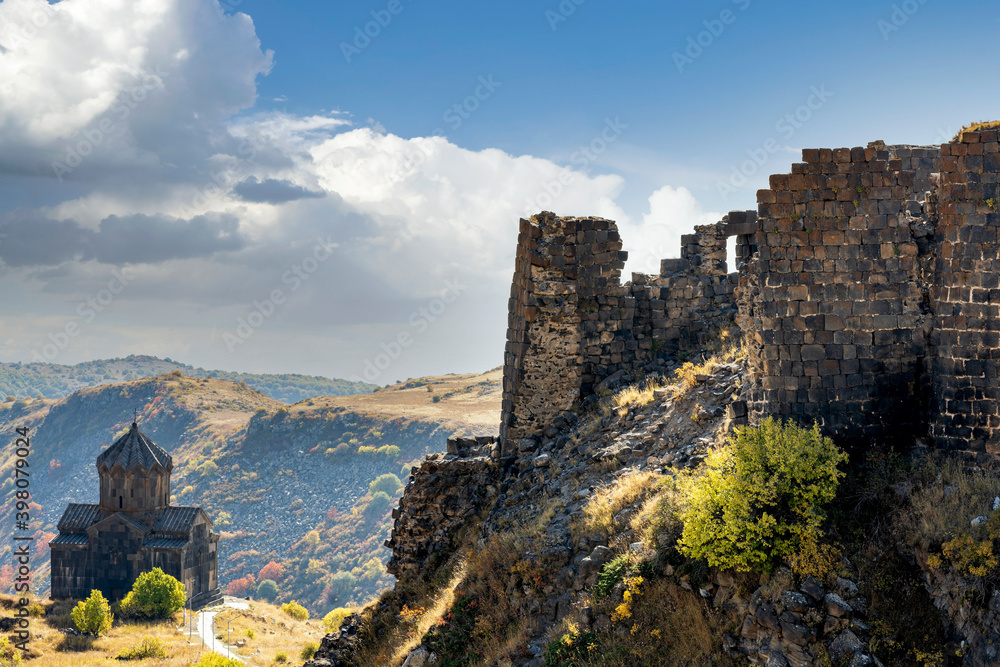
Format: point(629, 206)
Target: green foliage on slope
point(761, 499)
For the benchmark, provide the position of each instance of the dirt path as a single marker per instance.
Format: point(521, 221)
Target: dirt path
point(206, 628)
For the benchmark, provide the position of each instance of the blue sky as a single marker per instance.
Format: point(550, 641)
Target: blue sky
point(212, 154)
point(901, 81)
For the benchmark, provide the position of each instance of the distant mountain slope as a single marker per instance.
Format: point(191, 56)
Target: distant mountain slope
point(57, 381)
point(283, 483)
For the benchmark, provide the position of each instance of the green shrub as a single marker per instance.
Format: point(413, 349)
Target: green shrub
point(149, 647)
point(216, 660)
point(295, 610)
point(341, 588)
point(969, 556)
point(758, 499)
point(573, 648)
point(281, 657)
point(155, 594)
point(333, 620)
point(390, 452)
point(309, 650)
point(612, 572)
point(387, 483)
point(267, 590)
point(365, 450)
point(93, 616)
point(208, 468)
point(9, 656)
point(378, 505)
point(341, 451)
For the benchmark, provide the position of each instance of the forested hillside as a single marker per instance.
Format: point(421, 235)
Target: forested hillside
point(57, 381)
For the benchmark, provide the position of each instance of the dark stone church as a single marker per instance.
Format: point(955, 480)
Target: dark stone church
point(133, 530)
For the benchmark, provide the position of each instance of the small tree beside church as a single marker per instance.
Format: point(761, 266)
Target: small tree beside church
point(155, 594)
point(93, 616)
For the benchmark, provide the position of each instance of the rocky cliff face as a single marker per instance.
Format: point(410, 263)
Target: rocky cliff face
point(527, 560)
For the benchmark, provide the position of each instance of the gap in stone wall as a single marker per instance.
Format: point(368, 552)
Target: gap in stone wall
point(731, 255)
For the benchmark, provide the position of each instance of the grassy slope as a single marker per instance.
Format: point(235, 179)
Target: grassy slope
point(274, 631)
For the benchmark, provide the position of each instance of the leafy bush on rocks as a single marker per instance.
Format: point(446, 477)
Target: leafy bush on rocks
point(757, 501)
point(333, 620)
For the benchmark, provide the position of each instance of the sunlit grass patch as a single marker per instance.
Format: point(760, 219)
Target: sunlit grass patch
point(607, 501)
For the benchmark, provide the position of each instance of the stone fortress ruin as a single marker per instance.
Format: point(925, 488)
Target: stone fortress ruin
point(867, 288)
point(867, 294)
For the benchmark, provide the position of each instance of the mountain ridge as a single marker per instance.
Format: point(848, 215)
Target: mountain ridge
point(32, 379)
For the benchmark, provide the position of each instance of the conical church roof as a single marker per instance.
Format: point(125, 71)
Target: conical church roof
point(134, 450)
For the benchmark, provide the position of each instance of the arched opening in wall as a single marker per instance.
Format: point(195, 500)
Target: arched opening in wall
point(731, 255)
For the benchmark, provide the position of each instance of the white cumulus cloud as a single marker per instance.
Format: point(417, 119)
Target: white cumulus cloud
point(673, 211)
point(166, 169)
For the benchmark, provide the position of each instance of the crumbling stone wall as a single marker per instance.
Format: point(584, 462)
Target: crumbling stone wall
point(541, 366)
point(574, 328)
point(867, 286)
point(841, 317)
point(442, 495)
point(966, 297)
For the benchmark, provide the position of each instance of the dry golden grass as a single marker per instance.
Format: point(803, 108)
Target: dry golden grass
point(481, 574)
point(49, 647)
point(662, 625)
point(978, 126)
point(409, 638)
point(658, 515)
point(945, 509)
point(273, 630)
point(636, 395)
point(607, 501)
point(472, 406)
point(666, 625)
point(726, 347)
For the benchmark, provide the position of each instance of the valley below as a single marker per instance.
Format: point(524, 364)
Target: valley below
point(288, 486)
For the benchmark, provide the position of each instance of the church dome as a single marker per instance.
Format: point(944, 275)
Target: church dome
point(134, 450)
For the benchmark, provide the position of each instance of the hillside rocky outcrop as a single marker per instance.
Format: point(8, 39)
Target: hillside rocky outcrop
point(783, 620)
point(443, 494)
